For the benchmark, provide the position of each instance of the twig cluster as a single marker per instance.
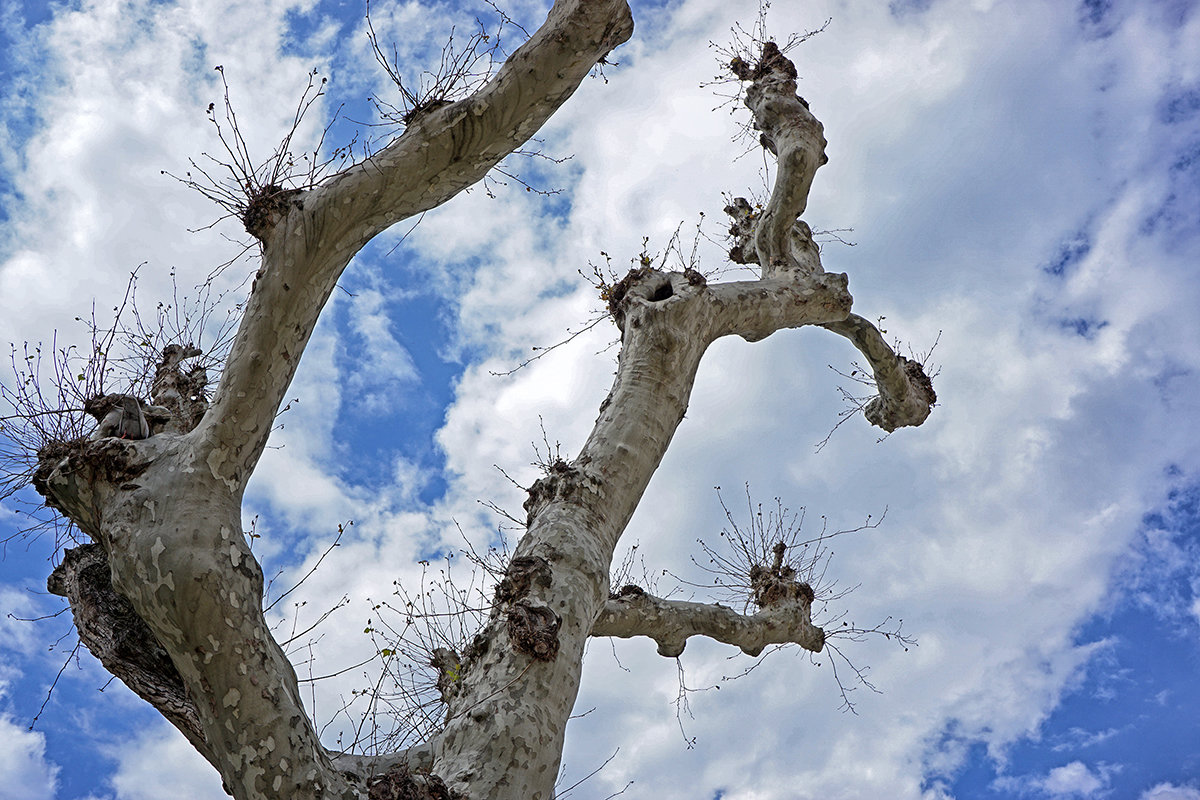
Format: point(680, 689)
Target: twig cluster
point(773, 540)
point(740, 54)
point(42, 403)
point(461, 68)
point(256, 191)
point(856, 402)
point(421, 639)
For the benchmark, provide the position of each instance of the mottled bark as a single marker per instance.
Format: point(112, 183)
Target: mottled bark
point(774, 238)
point(164, 512)
point(114, 633)
point(670, 623)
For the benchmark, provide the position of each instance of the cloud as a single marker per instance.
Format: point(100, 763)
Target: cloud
point(1072, 780)
point(1010, 184)
point(140, 774)
point(28, 774)
point(380, 367)
point(17, 635)
point(1077, 738)
point(1075, 779)
point(1169, 791)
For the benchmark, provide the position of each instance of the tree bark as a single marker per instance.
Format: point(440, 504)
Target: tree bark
point(164, 512)
point(670, 623)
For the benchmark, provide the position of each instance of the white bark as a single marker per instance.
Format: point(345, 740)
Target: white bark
point(670, 623)
point(165, 510)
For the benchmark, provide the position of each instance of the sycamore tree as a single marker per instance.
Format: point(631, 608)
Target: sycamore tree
point(168, 594)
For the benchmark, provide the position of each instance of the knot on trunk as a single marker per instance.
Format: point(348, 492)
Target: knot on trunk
point(777, 585)
point(741, 230)
point(889, 412)
point(629, 590)
point(648, 285)
point(450, 672)
point(614, 295)
point(122, 416)
point(404, 784)
point(801, 253)
point(562, 480)
point(772, 60)
point(522, 573)
point(265, 207)
point(49, 458)
point(533, 630)
point(70, 475)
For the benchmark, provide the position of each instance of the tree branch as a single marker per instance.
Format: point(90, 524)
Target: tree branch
point(114, 633)
point(905, 391)
point(452, 147)
point(777, 240)
point(756, 309)
point(795, 137)
point(314, 235)
point(671, 623)
point(365, 767)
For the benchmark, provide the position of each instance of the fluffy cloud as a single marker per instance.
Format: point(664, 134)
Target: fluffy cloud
point(140, 774)
point(28, 774)
point(1072, 780)
point(1169, 791)
point(1013, 181)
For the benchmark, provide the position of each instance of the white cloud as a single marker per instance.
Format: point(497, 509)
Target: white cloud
point(17, 633)
point(1072, 780)
point(1169, 791)
point(966, 143)
point(28, 774)
point(1077, 738)
point(140, 773)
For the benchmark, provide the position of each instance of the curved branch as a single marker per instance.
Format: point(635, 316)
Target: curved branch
point(756, 309)
point(671, 623)
point(796, 137)
point(905, 391)
point(452, 147)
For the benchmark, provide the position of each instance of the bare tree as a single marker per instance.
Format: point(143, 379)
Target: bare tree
point(169, 595)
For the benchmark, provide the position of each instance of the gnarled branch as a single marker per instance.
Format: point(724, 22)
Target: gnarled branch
point(905, 391)
point(114, 633)
point(670, 623)
point(439, 154)
point(795, 136)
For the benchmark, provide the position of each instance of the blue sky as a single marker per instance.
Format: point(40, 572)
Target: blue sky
point(1022, 178)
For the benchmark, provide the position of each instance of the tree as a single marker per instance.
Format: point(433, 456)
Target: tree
point(168, 593)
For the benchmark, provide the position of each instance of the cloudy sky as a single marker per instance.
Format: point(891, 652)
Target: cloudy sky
point(1022, 181)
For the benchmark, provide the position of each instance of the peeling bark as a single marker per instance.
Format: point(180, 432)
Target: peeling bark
point(114, 633)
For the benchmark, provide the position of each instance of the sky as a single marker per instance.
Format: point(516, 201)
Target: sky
point(1014, 185)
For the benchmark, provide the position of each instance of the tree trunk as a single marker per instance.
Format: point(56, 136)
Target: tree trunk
point(182, 589)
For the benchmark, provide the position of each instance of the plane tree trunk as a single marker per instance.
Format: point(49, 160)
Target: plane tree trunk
point(169, 596)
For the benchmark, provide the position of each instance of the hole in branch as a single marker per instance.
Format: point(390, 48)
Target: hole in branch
point(662, 292)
